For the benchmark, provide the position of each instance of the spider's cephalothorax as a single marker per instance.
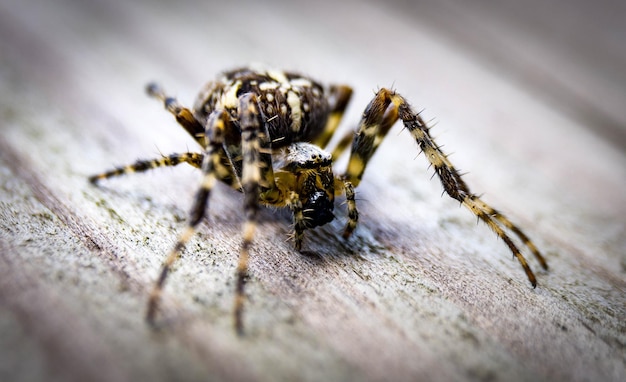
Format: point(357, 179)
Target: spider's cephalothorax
point(263, 131)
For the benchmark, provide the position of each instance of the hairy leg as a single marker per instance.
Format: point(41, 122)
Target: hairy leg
point(382, 112)
point(339, 98)
point(215, 133)
point(193, 159)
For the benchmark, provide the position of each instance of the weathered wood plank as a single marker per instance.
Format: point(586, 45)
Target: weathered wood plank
point(420, 292)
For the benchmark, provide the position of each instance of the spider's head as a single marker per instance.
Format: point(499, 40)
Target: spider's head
point(310, 167)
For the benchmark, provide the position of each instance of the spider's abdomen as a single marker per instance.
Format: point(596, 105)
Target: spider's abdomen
point(294, 106)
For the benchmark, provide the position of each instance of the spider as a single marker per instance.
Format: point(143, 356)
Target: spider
point(263, 133)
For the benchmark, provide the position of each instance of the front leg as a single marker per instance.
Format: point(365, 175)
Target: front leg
point(253, 138)
point(216, 125)
point(382, 112)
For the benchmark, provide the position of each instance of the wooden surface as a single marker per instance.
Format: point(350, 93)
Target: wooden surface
point(528, 97)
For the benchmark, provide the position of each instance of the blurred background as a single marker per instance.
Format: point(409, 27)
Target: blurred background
point(528, 95)
point(568, 53)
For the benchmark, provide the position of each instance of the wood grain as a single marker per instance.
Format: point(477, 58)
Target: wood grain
point(421, 292)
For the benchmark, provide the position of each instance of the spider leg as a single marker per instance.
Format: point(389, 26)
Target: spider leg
point(215, 134)
point(382, 112)
point(533, 248)
point(225, 169)
point(255, 170)
point(377, 119)
point(186, 119)
point(339, 97)
point(342, 145)
point(299, 222)
point(345, 186)
point(183, 115)
point(193, 159)
point(457, 189)
point(496, 215)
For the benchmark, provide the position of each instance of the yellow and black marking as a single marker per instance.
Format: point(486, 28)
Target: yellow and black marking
point(251, 177)
point(299, 224)
point(263, 133)
point(377, 119)
point(353, 214)
point(215, 130)
point(342, 145)
point(341, 95)
point(193, 159)
point(382, 112)
point(183, 115)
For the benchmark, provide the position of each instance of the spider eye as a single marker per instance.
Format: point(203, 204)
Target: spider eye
point(318, 209)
